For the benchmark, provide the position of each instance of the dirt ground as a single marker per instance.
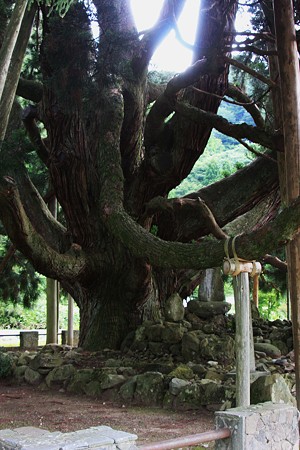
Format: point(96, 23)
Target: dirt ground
point(59, 411)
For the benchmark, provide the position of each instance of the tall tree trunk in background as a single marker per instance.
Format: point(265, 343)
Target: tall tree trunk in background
point(211, 286)
point(10, 40)
point(290, 92)
point(12, 59)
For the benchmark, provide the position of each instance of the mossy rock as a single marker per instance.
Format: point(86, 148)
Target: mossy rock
point(215, 348)
point(80, 379)
point(127, 390)
point(188, 398)
point(93, 389)
point(172, 333)
point(6, 365)
point(183, 372)
point(149, 389)
point(59, 375)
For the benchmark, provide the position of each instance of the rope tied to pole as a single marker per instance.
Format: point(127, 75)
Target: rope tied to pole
point(234, 266)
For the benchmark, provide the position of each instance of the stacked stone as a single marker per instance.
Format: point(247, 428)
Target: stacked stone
point(266, 426)
point(100, 438)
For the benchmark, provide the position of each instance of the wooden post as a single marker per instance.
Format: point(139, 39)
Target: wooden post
point(52, 328)
point(242, 338)
point(290, 95)
point(52, 296)
point(255, 290)
point(70, 334)
point(244, 354)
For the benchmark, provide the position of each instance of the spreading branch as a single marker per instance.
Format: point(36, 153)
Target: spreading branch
point(275, 262)
point(28, 116)
point(153, 37)
point(160, 253)
point(252, 72)
point(238, 131)
point(253, 36)
point(186, 210)
point(25, 237)
point(241, 192)
point(252, 150)
point(54, 233)
point(253, 49)
point(249, 105)
point(208, 253)
point(165, 103)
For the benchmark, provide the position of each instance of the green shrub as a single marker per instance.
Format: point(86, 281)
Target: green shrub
point(6, 366)
point(272, 305)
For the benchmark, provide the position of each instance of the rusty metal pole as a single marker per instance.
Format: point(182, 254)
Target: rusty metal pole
point(290, 96)
point(187, 441)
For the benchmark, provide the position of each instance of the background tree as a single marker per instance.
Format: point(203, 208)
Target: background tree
point(123, 247)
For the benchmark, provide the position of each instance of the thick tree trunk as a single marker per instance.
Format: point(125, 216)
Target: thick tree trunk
point(111, 307)
point(290, 92)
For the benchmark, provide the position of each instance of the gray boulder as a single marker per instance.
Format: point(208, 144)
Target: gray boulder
point(154, 332)
point(44, 362)
point(174, 309)
point(271, 388)
point(19, 372)
point(176, 384)
point(268, 349)
point(111, 380)
point(207, 310)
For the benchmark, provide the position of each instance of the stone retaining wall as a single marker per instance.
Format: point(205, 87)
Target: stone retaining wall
point(265, 426)
point(101, 438)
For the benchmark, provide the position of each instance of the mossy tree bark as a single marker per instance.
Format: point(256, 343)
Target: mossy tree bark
point(112, 164)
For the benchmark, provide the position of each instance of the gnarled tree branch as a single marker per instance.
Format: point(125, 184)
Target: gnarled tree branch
point(227, 199)
point(237, 94)
point(165, 104)
point(252, 72)
point(208, 253)
point(54, 233)
point(26, 238)
point(28, 116)
point(153, 37)
point(239, 131)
